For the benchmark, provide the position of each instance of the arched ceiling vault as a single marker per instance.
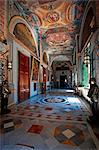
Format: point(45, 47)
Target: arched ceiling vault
point(57, 21)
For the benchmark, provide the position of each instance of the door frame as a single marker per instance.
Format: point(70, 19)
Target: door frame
point(19, 101)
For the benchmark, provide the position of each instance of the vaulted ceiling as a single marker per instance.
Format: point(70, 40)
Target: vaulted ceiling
point(57, 22)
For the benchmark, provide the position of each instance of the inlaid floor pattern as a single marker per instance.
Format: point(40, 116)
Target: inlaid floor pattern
point(47, 122)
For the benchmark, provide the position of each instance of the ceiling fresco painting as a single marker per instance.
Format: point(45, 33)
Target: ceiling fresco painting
point(56, 21)
point(52, 17)
point(51, 5)
point(57, 38)
point(45, 1)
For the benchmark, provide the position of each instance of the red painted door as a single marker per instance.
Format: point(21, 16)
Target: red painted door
point(24, 79)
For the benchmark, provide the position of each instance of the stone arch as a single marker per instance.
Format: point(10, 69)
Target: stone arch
point(89, 14)
point(19, 20)
point(59, 58)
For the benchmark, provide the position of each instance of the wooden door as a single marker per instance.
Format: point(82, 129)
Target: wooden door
point(24, 79)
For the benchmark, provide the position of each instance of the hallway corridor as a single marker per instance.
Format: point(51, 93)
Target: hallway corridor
point(49, 52)
point(52, 121)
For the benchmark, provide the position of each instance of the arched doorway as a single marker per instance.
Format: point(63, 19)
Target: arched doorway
point(24, 46)
point(62, 72)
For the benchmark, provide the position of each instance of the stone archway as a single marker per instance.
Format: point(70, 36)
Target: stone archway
point(19, 20)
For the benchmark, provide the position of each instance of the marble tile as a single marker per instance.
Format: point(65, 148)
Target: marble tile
point(51, 142)
point(68, 133)
point(8, 125)
point(35, 129)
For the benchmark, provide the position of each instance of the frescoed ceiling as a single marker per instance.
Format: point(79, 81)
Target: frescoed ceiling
point(56, 21)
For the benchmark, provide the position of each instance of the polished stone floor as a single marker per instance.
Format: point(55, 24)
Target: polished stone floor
point(53, 121)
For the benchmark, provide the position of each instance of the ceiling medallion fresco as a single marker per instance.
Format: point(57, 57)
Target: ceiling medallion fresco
point(52, 17)
point(57, 36)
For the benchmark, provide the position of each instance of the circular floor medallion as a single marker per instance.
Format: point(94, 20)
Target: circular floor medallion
point(54, 100)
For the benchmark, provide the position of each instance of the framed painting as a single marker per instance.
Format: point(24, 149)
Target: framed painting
point(35, 70)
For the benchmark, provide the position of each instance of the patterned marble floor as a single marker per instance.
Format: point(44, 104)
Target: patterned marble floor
point(55, 121)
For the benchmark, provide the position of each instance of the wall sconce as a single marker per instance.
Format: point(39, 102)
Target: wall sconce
point(10, 65)
point(44, 75)
point(86, 60)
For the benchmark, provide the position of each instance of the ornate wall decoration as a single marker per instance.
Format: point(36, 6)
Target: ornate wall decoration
point(13, 9)
point(2, 15)
point(55, 30)
point(35, 70)
point(51, 6)
point(45, 1)
point(23, 34)
point(70, 13)
point(52, 17)
point(3, 63)
point(34, 19)
point(79, 9)
point(25, 9)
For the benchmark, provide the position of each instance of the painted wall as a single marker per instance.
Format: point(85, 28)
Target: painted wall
point(32, 92)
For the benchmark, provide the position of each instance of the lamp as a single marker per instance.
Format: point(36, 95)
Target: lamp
point(44, 75)
point(10, 65)
point(86, 60)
